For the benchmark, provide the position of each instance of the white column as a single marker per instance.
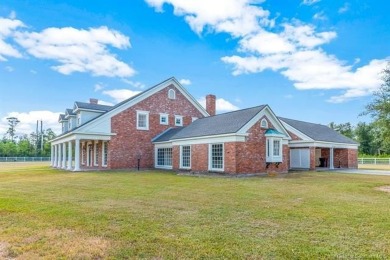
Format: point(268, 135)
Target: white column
point(52, 155)
point(331, 164)
point(55, 156)
point(77, 155)
point(70, 155)
point(63, 156)
point(59, 157)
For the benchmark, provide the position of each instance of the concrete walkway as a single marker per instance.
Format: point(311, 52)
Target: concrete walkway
point(361, 171)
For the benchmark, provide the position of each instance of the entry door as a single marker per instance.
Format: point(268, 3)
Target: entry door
point(300, 158)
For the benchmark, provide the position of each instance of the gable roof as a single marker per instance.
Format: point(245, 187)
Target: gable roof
point(226, 123)
point(89, 106)
point(318, 132)
point(69, 112)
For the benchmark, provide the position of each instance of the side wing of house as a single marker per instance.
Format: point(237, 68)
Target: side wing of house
point(246, 141)
point(315, 145)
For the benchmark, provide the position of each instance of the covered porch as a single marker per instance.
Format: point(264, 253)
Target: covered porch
point(78, 152)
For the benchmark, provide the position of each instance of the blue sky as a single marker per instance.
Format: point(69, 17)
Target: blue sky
point(311, 60)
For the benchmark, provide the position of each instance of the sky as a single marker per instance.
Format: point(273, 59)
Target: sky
point(310, 60)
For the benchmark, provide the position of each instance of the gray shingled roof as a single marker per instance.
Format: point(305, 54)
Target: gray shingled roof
point(318, 132)
point(61, 117)
point(226, 123)
point(89, 106)
point(69, 111)
point(167, 134)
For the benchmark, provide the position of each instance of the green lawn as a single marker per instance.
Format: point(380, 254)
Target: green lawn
point(48, 213)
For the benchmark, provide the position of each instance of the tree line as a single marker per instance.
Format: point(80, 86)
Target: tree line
point(35, 144)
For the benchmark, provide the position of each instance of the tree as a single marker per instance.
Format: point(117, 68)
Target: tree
point(364, 135)
point(379, 110)
point(12, 122)
point(344, 129)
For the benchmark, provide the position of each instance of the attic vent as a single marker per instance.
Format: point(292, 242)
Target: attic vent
point(264, 123)
point(171, 94)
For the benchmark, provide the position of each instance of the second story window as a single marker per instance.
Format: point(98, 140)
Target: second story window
point(164, 119)
point(142, 120)
point(178, 121)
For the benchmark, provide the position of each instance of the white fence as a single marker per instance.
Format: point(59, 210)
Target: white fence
point(24, 159)
point(373, 160)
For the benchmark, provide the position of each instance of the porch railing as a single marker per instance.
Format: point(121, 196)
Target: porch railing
point(24, 159)
point(373, 160)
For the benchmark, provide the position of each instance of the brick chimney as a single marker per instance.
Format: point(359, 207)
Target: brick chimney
point(210, 104)
point(93, 101)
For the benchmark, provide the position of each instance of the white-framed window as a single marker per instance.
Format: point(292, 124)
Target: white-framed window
point(143, 120)
point(104, 154)
point(274, 149)
point(216, 157)
point(171, 94)
point(178, 120)
point(185, 156)
point(78, 120)
point(194, 118)
point(96, 153)
point(264, 123)
point(164, 119)
point(82, 153)
point(70, 124)
point(164, 157)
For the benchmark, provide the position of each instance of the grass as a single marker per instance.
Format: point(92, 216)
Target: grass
point(47, 213)
point(385, 167)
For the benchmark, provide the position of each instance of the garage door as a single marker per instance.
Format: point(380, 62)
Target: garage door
point(300, 158)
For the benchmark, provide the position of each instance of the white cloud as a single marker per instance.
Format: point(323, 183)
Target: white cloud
point(237, 17)
point(120, 94)
point(28, 121)
point(344, 8)
point(9, 68)
point(98, 86)
point(292, 48)
point(221, 105)
point(102, 102)
point(135, 84)
point(310, 2)
point(320, 16)
point(78, 50)
point(7, 29)
point(185, 82)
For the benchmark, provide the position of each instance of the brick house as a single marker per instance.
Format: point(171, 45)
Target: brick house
point(165, 127)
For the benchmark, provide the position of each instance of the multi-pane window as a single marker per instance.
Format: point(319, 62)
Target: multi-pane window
point(264, 123)
point(185, 156)
point(163, 119)
point(105, 154)
point(142, 120)
point(216, 157)
point(178, 121)
point(276, 147)
point(164, 157)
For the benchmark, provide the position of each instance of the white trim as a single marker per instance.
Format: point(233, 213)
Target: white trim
point(210, 158)
point(90, 136)
point(194, 118)
point(269, 150)
point(181, 120)
point(181, 157)
point(321, 144)
point(164, 115)
point(210, 139)
point(267, 112)
point(144, 113)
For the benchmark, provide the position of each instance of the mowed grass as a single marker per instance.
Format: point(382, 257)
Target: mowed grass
point(384, 167)
point(46, 213)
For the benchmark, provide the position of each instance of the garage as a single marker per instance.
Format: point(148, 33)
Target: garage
point(300, 158)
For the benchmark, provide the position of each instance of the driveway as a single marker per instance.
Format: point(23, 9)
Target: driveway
point(361, 171)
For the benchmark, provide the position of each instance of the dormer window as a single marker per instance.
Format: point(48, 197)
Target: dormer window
point(171, 94)
point(264, 123)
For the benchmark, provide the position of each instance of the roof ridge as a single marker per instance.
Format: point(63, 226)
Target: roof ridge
point(301, 121)
point(234, 111)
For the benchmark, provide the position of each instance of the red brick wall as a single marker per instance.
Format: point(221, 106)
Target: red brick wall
point(129, 142)
point(199, 157)
point(345, 158)
point(352, 158)
point(312, 158)
point(293, 136)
